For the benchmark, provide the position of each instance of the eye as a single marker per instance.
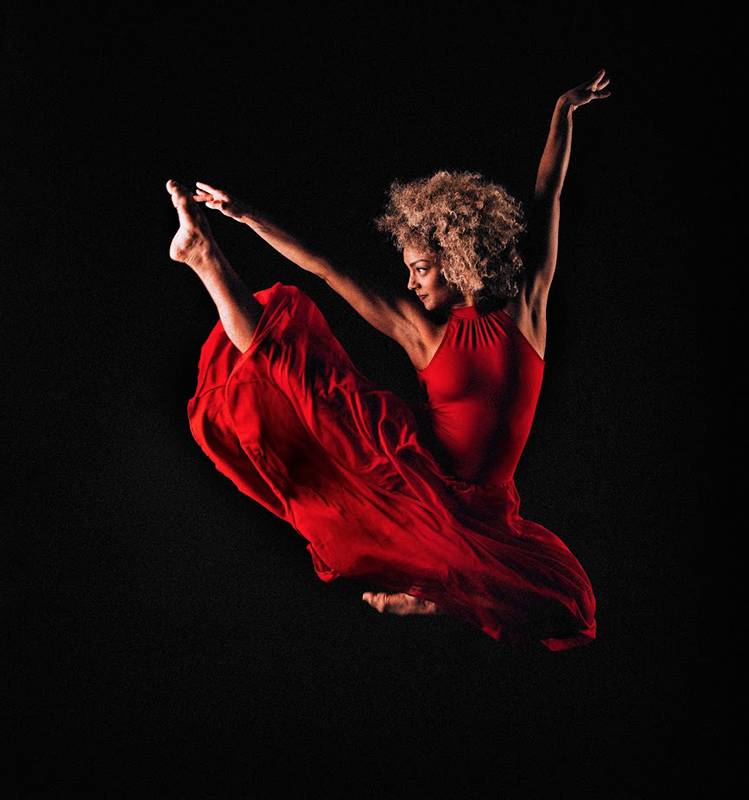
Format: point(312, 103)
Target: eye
point(426, 269)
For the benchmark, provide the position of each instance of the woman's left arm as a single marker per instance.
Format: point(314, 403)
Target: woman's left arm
point(543, 227)
point(556, 156)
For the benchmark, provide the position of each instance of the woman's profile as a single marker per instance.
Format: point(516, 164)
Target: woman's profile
point(432, 522)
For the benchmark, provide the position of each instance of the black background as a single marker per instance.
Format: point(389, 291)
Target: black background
point(166, 635)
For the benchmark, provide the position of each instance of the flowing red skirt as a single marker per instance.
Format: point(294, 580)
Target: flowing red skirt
point(296, 427)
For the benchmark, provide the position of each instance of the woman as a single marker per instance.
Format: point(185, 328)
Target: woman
point(283, 412)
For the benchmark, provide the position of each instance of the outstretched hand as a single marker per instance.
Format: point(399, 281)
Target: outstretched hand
point(587, 91)
point(221, 201)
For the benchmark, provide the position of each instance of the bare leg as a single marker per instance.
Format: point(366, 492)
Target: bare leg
point(400, 603)
point(194, 245)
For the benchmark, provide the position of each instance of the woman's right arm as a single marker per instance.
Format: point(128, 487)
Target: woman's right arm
point(286, 244)
point(399, 317)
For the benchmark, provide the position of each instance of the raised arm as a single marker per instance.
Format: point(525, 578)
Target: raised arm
point(241, 211)
point(397, 315)
point(543, 222)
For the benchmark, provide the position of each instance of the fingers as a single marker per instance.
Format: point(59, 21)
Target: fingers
point(205, 197)
point(598, 81)
point(598, 94)
point(215, 203)
point(217, 193)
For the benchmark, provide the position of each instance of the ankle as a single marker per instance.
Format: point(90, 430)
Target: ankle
point(208, 260)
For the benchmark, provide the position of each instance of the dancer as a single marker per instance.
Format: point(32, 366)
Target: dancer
point(433, 519)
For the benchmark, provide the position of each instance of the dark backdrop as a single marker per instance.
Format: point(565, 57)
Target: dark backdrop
point(167, 635)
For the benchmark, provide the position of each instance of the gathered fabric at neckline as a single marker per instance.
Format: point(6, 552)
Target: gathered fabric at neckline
point(471, 314)
point(474, 311)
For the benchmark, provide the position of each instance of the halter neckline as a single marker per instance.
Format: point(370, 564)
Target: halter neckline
point(474, 311)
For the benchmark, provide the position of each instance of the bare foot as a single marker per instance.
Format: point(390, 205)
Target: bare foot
point(400, 603)
point(193, 244)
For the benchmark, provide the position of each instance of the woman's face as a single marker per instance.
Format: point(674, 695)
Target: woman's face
point(425, 279)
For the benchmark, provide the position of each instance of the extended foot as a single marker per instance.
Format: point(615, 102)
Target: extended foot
point(400, 603)
point(193, 244)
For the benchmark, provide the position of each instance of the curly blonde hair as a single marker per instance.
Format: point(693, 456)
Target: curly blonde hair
point(473, 224)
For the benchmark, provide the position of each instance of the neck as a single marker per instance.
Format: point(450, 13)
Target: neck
point(464, 302)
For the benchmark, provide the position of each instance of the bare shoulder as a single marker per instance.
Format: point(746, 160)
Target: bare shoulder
point(416, 316)
point(421, 334)
point(528, 311)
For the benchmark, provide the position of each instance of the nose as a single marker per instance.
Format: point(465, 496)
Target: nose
point(412, 283)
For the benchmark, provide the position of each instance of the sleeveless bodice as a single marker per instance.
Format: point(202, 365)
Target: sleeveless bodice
point(480, 392)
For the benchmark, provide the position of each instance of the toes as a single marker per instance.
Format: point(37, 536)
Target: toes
point(376, 600)
point(189, 211)
point(400, 603)
point(390, 603)
point(179, 193)
point(175, 189)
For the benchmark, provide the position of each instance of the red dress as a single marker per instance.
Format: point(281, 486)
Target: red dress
point(295, 426)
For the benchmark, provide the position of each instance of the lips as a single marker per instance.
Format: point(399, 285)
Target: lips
point(422, 296)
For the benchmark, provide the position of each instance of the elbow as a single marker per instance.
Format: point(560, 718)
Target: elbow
point(545, 195)
point(321, 268)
